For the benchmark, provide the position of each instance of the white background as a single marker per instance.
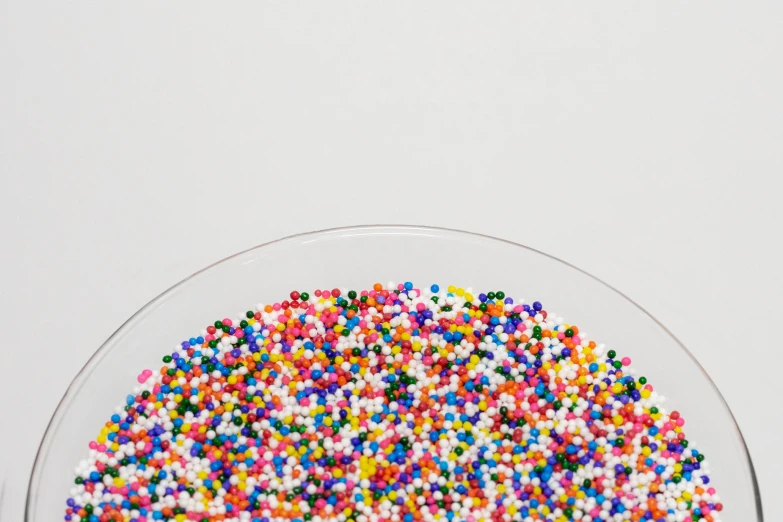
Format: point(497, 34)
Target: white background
point(141, 142)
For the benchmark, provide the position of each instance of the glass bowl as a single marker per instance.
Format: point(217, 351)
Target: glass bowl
point(356, 258)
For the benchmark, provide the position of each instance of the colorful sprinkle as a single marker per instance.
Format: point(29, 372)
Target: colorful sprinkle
point(393, 404)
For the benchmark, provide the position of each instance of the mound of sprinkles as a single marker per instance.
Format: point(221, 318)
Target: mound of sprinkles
point(393, 404)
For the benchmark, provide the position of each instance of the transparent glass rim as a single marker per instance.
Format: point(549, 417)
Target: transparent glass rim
point(106, 346)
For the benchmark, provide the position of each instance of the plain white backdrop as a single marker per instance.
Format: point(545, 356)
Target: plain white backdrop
point(140, 142)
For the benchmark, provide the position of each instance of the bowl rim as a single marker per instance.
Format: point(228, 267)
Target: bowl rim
point(100, 352)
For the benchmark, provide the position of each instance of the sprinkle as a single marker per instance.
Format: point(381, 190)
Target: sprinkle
point(393, 404)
